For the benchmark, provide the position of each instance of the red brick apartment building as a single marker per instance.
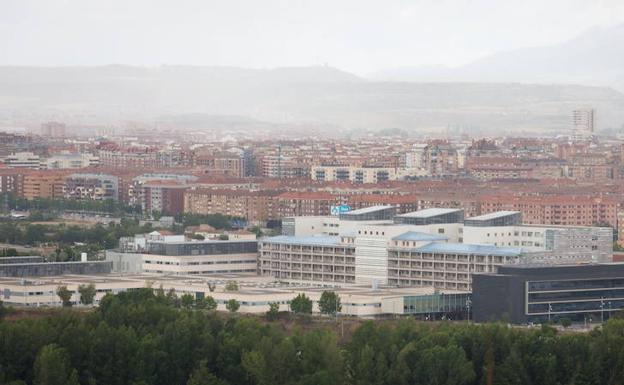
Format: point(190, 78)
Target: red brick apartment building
point(305, 203)
point(560, 209)
point(254, 206)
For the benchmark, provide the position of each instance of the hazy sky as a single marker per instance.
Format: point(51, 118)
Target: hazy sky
point(355, 35)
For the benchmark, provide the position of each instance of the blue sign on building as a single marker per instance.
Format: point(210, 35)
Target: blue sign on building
point(337, 210)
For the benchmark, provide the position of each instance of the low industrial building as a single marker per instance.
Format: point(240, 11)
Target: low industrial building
point(254, 293)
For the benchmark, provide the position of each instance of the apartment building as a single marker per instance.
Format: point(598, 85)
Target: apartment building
point(135, 185)
point(366, 174)
point(47, 185)
point(11, 182)
point(23, 160)
point(133, 158)
point(305, 204)
point(91, 186)
point(556, 209)
point(163, 196)
point(70, 160)
point(223, 163)
point(254, 206)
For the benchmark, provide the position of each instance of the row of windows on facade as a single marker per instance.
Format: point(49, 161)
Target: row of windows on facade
point(198, 263)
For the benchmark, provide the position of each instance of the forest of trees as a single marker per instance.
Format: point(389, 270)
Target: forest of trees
point(139, 338)
point(101, 236)
point(51, 206)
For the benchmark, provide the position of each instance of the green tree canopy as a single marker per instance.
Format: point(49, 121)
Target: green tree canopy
point(53, 367)
point(187, 300)
point(330, 303)
point(232, 305)
point(87, 293)
point(65, 295)
point(301, 304)
point(273, 311)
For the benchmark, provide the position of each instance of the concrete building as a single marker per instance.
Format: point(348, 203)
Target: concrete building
point(53, 129)
point(156, 254)
point(70, 160)
point(43, 269)
point(23, 160)
point(545, 243)
point(254, 293)
point(583, 122)
point(373, 247)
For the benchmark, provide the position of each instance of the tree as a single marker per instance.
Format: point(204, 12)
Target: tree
point(187, 300)
point(232, 305)
point(565, 322)
point(87, 293)
point(301, 304)
point(3, 310)
point(206, 303)
point(273, 312)
point(172, 298)
point(231, 286)
point(202, 376)
point(65, 295)
point(257, 230)
point(330, 303)
point(53, 367)
point(10, 252)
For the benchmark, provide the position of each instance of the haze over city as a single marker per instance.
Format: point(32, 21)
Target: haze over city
point(311, 192)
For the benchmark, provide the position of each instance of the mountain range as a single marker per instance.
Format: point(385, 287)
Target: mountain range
point(594, 58)
point(531, 90)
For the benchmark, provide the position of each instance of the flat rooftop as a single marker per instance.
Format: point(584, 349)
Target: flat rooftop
point(313, 240)
point(428, 213)
point(250, 286)
point(367, 210)
point(466, 248)
point(417, 236)
point(494, 215)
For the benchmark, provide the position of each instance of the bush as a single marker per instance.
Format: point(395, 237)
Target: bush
point(301, 304)
point(232, 305)
point(273, 312)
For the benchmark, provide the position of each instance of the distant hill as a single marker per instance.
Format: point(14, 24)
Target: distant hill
point(595, 58)
point(322, 95)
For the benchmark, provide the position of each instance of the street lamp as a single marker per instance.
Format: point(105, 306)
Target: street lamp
point(468, 304)
point(549, 310)
point(602, 309)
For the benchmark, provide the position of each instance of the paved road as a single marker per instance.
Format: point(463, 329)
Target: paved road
point(20, 248)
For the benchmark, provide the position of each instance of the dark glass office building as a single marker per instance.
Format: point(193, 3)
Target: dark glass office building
point(202, 248)
point(523, 294)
